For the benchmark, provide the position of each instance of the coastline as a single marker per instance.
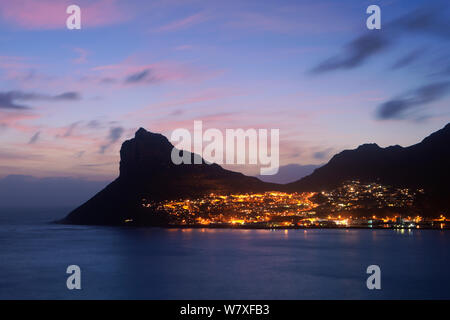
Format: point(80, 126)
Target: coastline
point(257, 227)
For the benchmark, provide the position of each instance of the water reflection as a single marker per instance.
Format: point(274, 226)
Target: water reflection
point(155, 263)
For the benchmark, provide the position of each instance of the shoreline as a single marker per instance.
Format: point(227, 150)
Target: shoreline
point(297, 227)
point(249, 227)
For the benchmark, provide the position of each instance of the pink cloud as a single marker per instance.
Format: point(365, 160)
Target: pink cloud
point(13, 62)
point(51, 14)
point(131, 72)
point(184, 23)
point(82, 56)
point(300, 18)
point(14, 120)
point(173, 104)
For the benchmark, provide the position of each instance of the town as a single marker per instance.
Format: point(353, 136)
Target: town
point(351, 205)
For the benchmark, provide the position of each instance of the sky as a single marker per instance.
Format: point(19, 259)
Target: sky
point(69, 98)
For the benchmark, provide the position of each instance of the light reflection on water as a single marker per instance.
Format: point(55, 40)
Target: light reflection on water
point(153, 263)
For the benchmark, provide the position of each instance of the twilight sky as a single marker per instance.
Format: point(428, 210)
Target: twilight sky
point(68, 98)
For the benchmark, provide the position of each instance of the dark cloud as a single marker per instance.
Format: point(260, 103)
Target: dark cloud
point(93, 124)
point(440, 66)
point(177, 112)
point(8, 100)
point(355, 54)
point(320, 155)
point(67, 96)
point(108, 80)
point(71, 129)
point(114, 135)
point(31, 96)
point(408, 59)
point(432, 21)
point(82, 125)
point(34, 138)
point(95, 165)
point(397, 108)
point(141, 76)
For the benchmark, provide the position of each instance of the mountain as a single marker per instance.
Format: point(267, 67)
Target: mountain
point(147, 171)
point(289, 173)
point(423, 165)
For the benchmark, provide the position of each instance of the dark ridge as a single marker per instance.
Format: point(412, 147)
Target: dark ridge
point(423, 165)
point(147, 171)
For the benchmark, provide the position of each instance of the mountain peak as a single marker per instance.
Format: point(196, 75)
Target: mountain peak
point(140, 132)
point(147, 171)
point(144, 152)
point(423, 165)
point(369, 146)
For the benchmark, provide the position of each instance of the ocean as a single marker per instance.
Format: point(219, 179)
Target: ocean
point(157, 263)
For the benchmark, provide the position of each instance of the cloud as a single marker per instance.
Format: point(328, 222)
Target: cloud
point(95, 165)
point(321, 155)
point(14, 119)
point(441, 66)
point(108, 80)
point(114, 135)
point(50, 14)
point(16, 156)
point(8, 100)
point(34, 138)
point(72, 96)
point(293, 18)
point(71, 129)
point(408, 59)
point(431, 21)
point(82, 56)
point(141, 76)
point(129, 73)
point(184, 22)
point(355, 54)
point(397, 108)
point(93, 124)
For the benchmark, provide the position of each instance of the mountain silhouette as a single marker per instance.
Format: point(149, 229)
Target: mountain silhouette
point(423, 165)
point(147, 171)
